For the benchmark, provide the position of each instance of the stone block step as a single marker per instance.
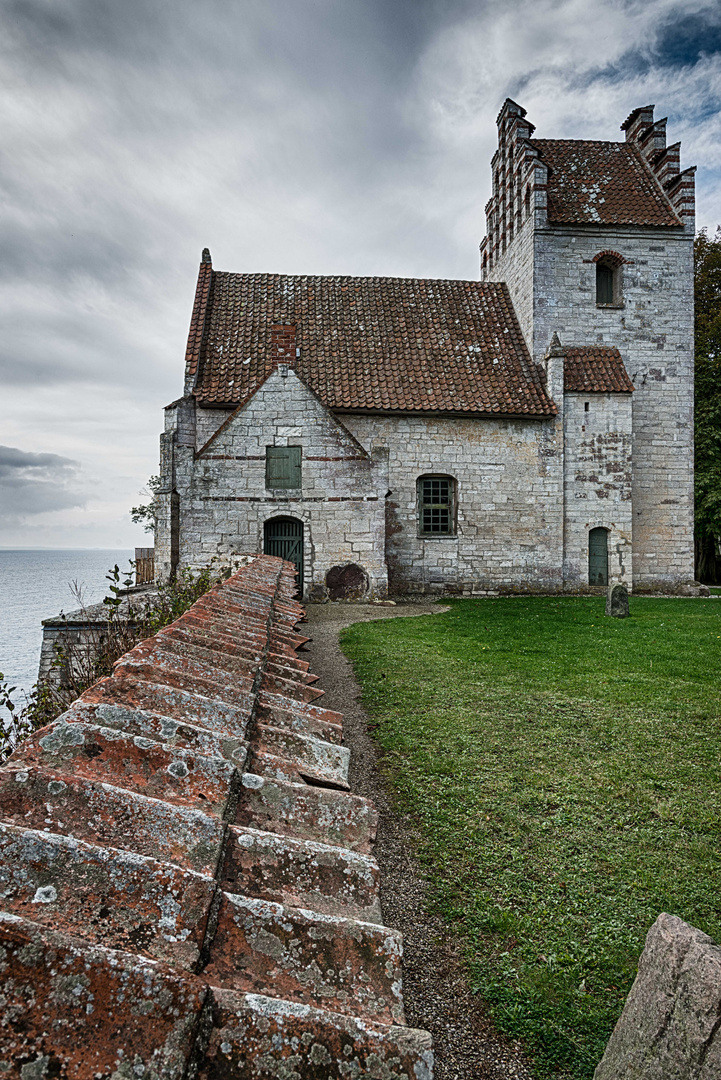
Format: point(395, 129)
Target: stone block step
point(194, 658)
point(297, 691)
point(183, 662)
point(302, 873)
point(75, 1010)
point(135, 763)
point(188, 706)
point(235, 692)
point(112, 898)
point(307, 813)
point(256, 1038)
point(50, 801)
point(163, 729)
point(326, 961)
point(279, 711)
point(316, 760)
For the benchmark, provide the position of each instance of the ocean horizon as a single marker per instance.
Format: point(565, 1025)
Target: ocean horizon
point(38, 583)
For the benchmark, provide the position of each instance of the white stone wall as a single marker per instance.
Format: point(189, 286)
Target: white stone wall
point(653, 329)
point(598, 476)
point(654, 333)
point(224, 503)
point(509, 478)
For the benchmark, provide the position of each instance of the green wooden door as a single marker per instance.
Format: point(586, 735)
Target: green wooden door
point(284, 537)
point(598, 557)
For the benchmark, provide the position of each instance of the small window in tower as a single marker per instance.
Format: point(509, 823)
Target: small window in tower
point(585, 406)
point(608, 281)
point(604, 284)
point(528, 199)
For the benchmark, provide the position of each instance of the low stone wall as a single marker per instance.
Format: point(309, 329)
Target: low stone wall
point(187, 883)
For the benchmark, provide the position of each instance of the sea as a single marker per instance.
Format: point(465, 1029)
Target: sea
point(37, 584)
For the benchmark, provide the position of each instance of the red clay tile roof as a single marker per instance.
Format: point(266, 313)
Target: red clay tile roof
point(605, 183)
point(388, 344)
point(595, 369)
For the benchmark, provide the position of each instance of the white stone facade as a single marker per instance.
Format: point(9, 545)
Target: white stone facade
point(223, 504)
point(528, 491)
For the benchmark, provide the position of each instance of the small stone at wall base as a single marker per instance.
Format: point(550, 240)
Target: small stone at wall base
point(703, 590)
point(617, 601)
point(670, 1025)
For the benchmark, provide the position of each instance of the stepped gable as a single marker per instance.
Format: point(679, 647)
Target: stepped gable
point(595, 369)
point(188, 886)
point(604, 183)
point(365, 344)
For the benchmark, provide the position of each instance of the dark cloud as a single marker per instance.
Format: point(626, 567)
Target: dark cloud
point(33, 484)
point(322, 136)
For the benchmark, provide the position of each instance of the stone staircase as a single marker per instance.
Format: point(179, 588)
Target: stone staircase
point(186, 883)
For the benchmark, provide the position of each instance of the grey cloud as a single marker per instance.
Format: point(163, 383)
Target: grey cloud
point(32, 484)
point(326, 136)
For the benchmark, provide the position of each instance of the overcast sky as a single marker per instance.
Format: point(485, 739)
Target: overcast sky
point(292, 136)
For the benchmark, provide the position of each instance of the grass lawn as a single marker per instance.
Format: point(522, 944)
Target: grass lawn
point(564, 772)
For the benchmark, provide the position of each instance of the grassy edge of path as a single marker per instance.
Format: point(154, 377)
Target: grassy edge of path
point(563, 770)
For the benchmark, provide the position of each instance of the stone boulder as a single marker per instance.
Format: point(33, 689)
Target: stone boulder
point(617, 601)
point(669, 1027)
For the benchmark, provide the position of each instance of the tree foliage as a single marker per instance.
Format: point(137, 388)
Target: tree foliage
point(147, 513)
point(707, 266)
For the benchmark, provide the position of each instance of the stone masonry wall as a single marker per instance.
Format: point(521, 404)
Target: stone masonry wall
point(653, 329)
point(509, 478)
point(187, 884)
point(654, 333)
point(224, 503)
point(598, 474)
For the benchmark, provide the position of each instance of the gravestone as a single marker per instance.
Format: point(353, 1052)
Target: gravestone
point(617, 601)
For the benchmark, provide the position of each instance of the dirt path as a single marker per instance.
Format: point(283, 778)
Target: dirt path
point(434, 987)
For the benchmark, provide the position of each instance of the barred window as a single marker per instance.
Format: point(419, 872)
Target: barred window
point(436, 506)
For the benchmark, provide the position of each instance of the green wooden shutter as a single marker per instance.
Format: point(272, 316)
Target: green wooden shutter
point(282, 467)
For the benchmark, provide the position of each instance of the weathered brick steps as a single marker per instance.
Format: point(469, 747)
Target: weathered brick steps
point(186, 884)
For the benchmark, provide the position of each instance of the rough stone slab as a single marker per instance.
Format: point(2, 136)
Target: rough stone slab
point(301, 955)
point(236, 693)
point(316, 760)
point(308, 813)
point(112, 898)
point(51, 801)
point(70, 1009)
point(200, 636)
point(192, 658)
point(670, 1028)
point(302, 873)
point(273, 767)
point(163, 729)
point(242, 635)
point(298, 691)
point(279, 711)
point(187, 706)
point(136, 763)
point(259, 1038)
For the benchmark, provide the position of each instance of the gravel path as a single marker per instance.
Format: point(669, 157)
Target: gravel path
point(434, 986)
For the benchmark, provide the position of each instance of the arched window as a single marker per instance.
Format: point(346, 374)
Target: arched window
point(528, 200)
point(608, 279)
point(436, 506)
point(598, 557)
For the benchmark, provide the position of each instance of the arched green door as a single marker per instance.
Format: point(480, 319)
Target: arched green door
point(283, 536)
point(598, 557)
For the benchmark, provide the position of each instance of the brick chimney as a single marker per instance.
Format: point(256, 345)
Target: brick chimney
point(282, 344)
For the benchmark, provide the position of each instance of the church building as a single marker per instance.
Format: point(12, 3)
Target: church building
point(528, 432)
